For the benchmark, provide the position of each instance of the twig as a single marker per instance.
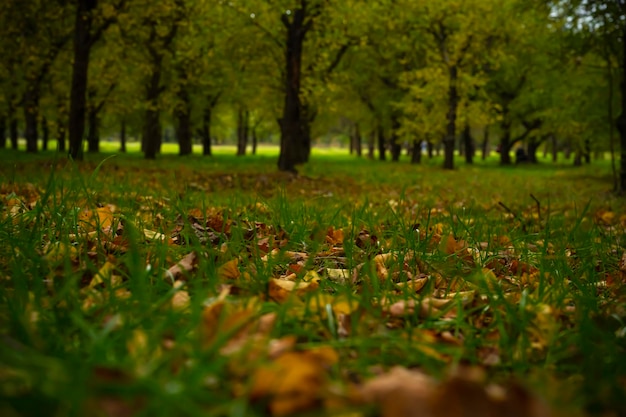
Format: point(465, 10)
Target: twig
point(515, 216)
point(538, 206)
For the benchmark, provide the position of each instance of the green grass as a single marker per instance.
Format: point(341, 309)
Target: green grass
point(535, 281)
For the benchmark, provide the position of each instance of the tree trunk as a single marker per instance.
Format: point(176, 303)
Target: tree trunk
point(45, 133)
point(453, 103)
point(80, 69)
point(206, 131)
point(123, 135)
point(255, 141)
point(371, 139)
point(151, 133)
point(430, 148)
point(468, 144)
point(93, 138)
point(416, 152)
point(183, 128)
point(533, 146)
point(3, 132)
point(292, 124)
point(505, 139)
point(243, 126)
point(356, 141)
point(485, 145)
point(31, 110)
point(578, 157)
point(396, 145)
point(13, 130)
point(382, 144)
point(587, 151)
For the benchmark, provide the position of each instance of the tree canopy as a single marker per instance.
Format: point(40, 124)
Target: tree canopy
point(529, 73)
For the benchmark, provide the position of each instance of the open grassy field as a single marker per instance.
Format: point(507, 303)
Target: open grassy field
point(221, 287)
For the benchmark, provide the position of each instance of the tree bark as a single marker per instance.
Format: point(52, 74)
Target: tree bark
point(382, 143)
point(292, 126)
point(485, 145)
point(505, 139)
point(453, 103)
point(183, 128)
point(80, 68)
point(93, 138)
point(468, 144)
point(3, 132)
point(123, 135)
point(13, 130)
point(45, 133)
point(31, 112)
point(396, 145)
point(371, 139)
point(206, 131)
point(243, 127)
point(416, 152)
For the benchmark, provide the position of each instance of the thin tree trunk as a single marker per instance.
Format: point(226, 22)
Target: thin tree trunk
point(254, 141)
point(430, 149)
point(382, 144)
point(3, 132)
point(93, 138)
point(183, 129)
point(31, 110)
point(396, 145)
point(453, 102)
point(505, 139)
point(13, 128)
point(151, 133)
point(416, 152)
point(45, 133)
point(206, 131)
point(123, 135)
point(371, 139)
point(485, 145)
point(468, 144)
point(243, 124)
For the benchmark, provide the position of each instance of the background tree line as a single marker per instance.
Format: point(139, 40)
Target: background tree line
point(456, 75)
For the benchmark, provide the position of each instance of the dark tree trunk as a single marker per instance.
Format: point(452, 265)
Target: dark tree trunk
point(485, 145)
point(123, 135)
point(587, 151)
point(183, 128)
point(61, 133)
point(578, 158)
point(243, 127)
point(80, 68)
point(356, 141)
point(371, 139)
point(468, 144)
point(93, 138)
point(382, 144)
point(206, 131)
point(3, 132)
point(533, 146)
point(396, 145)
point(621, 119)
point(254, 141)
point(505, 139)
point(430, 148)
point(416, 152)
point(453, 103)
point(31, 111)
point(45, 133)
point(13, 130)
point(292, 124)
point(555, 149)
point(151, 132)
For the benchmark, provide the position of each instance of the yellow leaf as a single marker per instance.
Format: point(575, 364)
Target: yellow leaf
point(229, 270)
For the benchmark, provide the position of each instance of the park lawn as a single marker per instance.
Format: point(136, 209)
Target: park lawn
point(218, 286)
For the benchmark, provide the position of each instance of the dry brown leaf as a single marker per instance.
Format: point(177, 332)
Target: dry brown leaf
point(294, 382)
point(399, 392)
point(182, 269)
point(229, 270)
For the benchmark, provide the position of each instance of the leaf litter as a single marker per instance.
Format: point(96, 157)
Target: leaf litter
point(286, 318)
